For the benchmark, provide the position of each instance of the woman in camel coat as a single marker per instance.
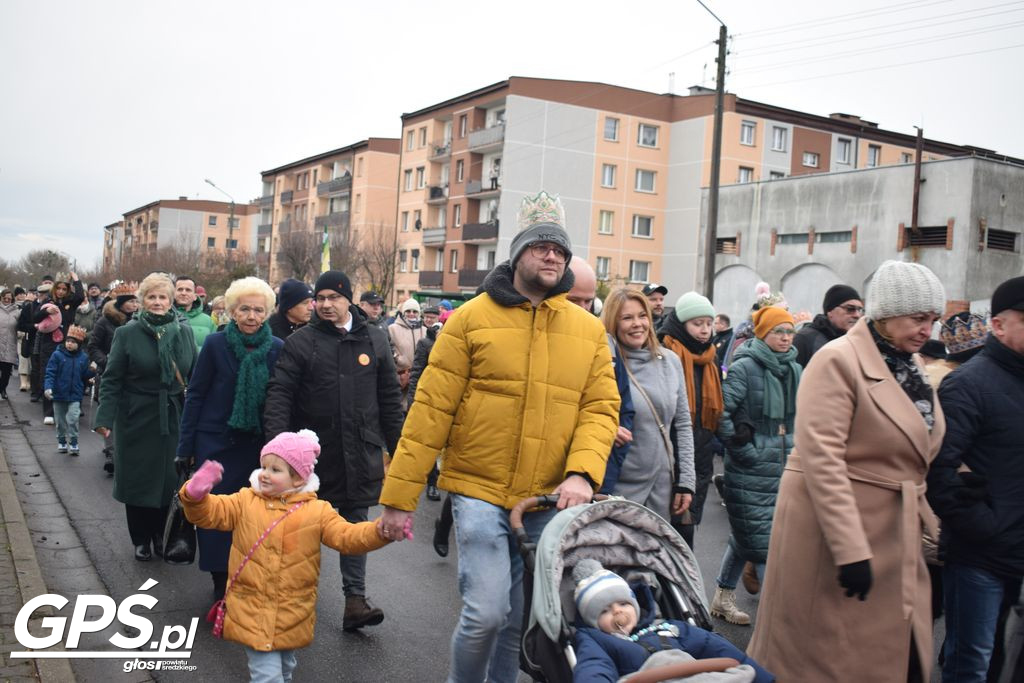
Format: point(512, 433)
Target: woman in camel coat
point(847, 596)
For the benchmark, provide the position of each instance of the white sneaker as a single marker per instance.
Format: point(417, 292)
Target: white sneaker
point(47, 420)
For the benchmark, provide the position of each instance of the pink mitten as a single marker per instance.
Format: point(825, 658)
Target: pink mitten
point(205, 478)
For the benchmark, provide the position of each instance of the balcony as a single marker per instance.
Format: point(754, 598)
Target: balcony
point(332, 220)
point(487, 139)
point(334, 187)
point(475, 189)
point(153, 225)
point(480, 232)
point(433, 237)
point(267, 200)
point(472, 278)
point(284, 226)
point(439, 151)
point(437, 194)
point(286, 197)
point(431, 278)
point(264, 229)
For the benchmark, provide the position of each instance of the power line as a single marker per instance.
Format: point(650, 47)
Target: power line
point(862, 14)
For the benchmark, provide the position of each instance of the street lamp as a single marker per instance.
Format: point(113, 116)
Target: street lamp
point(231, 217)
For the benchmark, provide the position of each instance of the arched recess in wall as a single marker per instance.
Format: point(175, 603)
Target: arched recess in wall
point(804, 287)
point(734, 291)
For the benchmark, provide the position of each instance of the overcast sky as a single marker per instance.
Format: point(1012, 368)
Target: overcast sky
point(110, 105)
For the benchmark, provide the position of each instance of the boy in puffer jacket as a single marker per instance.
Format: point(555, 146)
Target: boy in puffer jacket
point(612, 640)
point(67, 372)
point(277, 527)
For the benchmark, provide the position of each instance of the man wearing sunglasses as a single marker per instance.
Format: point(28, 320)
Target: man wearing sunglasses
point(519, 399)
point(843, 308)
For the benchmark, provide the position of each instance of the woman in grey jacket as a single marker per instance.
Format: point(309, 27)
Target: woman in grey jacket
point(658, 472)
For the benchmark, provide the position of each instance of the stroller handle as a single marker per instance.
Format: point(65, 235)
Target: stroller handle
point(515, 518)
point(683, 669)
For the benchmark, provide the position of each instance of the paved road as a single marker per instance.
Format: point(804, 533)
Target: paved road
point(415, 588)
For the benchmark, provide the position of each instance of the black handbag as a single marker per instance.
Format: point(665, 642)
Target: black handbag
point(179, 533)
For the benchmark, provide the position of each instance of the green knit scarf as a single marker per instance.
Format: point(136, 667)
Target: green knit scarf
point(251, 387)
point(781, 377)
point(167, 331)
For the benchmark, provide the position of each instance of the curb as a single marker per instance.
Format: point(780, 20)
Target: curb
point(26, 565)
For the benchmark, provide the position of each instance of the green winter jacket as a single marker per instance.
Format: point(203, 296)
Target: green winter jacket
point(201, 324)
point(753, 470)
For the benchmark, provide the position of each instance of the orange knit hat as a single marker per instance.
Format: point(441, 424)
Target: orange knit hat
point(765, 320)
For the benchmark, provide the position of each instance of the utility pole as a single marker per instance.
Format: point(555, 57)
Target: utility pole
point(914, 229)
point(711, 238)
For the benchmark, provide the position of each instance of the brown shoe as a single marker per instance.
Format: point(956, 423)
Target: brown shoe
point(359, 613)
point(750, 581)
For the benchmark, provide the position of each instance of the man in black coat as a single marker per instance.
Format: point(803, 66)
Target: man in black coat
point(336, 376)
point(982, 510)
point(293, 308)
point(843, 308)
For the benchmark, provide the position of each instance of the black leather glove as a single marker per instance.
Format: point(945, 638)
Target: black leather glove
point(183, 466)
point(743, 433)
point(856, 579)
point(974, 489)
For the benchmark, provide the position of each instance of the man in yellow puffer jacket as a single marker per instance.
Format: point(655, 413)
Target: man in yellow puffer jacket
point(519, 399)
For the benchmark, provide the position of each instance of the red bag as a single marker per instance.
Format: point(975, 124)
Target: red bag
point(216, 617)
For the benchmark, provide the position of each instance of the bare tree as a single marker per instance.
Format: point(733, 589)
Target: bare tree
point(214, 270)
point(39, 262)
point(379, 253)
point(299, 253)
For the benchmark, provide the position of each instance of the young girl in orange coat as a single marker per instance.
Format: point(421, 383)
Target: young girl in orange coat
point(271, 602)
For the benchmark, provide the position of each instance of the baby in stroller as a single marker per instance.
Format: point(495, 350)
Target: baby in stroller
point(615, 636)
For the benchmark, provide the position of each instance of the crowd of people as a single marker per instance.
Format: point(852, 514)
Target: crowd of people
point(850, 446)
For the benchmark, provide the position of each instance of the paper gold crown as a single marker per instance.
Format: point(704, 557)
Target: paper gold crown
point(963, 332)
point(124, 289)
point(76, 332)
point(541, 208)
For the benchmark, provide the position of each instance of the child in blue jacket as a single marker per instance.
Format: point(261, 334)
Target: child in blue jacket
point(66, 375)
point(612, 640)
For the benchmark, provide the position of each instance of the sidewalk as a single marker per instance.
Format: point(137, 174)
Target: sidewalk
point(20, 579)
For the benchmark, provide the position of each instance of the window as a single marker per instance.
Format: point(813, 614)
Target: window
point(415, 260)
point(402, 265)
point(463, 123)
point(423, 136)
point(417, 219)
point(410, 140)
point(337, 204)
point(639, 271)
point(408, 179)
point(642, 226)
point(421, 181)
point(611, 129)
point(232, 244)
point(499, 117)
point(833, 236)
point(604, 226)
point(233, 222)
point(213, 220)
point(811, 159)
point(263, 245)
point(211, 242)
point(746, 174)
point(779, 139)
point(874, 155)
point(604, 266)
point(934, 236)
point(359, 203)
point(647, 135)
point(843, 151)
point(608, 175)
point(644, 180)
point(439, 260)
point(442, 218)
point(906, 158)
point(359, 167)
point(793, 238)
point(315, 171)
point(775, 175)
point(1003, 240)
point(453, 261)
point(405, 221)
point(458, 215)
point(726, 245)
point(747, 129)
point(460, 168)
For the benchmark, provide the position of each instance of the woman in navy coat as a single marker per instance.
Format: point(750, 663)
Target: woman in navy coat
point(222, 418)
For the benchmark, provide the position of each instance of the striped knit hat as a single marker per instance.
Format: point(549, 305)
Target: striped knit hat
point(596, 588)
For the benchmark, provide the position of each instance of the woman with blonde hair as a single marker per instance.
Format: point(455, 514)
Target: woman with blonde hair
point(658, 472)
point(141, 396)
point(223, 416)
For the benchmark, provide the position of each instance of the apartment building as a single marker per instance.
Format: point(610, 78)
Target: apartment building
point(628, 165)
point(350, 191)
point(191, 224)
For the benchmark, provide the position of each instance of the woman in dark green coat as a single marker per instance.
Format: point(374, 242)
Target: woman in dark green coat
point(141, 397)
point(757, 428)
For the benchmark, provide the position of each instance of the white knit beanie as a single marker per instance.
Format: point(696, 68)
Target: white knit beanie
point(904, 288)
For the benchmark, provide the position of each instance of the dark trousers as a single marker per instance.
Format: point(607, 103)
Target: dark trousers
point(35, 376)
point(145, 524)
point(5, 375)
point(353, 567)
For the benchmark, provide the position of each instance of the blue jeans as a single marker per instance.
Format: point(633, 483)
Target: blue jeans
point(66, 414)
point(485, 645)
point(732, 568)
point(270, 667)
point(972, 599)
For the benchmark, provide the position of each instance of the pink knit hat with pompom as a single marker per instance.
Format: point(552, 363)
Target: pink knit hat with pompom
point(298, 449)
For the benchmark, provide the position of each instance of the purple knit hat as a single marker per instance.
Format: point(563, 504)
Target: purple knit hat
point(298, 449)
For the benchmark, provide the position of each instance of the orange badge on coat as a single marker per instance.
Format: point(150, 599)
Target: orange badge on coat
point(364, 359)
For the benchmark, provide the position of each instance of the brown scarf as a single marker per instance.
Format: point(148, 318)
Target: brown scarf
point(711, 388)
